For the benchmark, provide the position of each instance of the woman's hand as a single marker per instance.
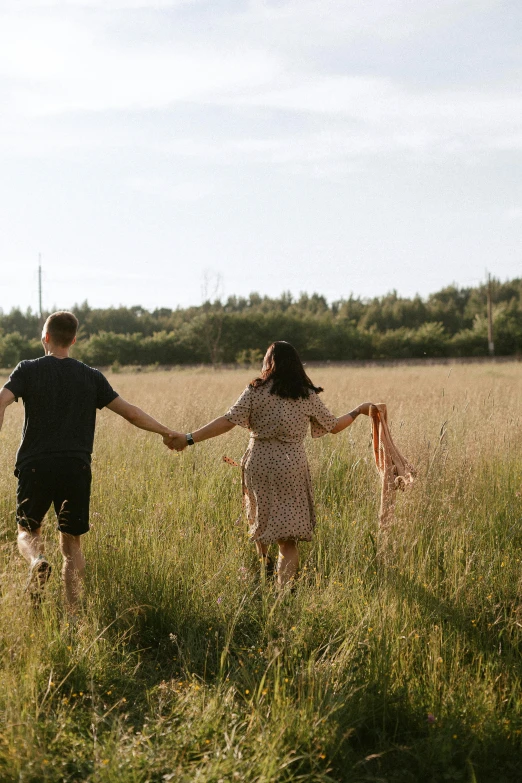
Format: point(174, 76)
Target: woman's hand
point(364, 407)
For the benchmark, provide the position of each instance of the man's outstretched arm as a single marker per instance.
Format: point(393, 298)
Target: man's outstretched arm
point(139, 418)
point(6, 398)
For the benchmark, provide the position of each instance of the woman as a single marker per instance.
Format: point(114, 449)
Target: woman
point(277, 408)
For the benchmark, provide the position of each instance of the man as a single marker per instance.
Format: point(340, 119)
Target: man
point(60, 395)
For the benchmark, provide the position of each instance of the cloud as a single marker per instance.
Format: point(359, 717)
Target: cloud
point(298, 24)
point(513, 214)
point(416, 119)
point(90, 5)
point(52, 65)
point(185, 191)
point(65, 63)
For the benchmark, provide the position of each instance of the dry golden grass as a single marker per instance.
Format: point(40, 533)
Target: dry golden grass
point(186, 666)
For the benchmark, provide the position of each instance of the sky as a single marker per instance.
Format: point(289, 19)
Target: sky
point(158, 152)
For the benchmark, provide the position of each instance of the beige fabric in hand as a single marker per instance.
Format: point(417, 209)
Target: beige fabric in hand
point(395, 471)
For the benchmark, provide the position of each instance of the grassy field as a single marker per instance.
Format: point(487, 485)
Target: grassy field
point(185, 666)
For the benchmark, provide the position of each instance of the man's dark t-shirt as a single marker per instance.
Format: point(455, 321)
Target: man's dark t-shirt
point(60, 398)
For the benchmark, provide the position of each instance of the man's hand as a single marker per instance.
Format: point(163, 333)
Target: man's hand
point(173, 439)
point(176, 442)
point(167, 440)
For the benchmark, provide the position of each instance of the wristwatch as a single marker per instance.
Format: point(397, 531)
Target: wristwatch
point(190, 439)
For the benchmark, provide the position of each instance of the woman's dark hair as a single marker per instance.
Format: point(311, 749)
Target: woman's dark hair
point(284, 368)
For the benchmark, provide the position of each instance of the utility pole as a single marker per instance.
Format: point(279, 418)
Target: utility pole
point(40, 308)
point(40, 284)
point(491, 344)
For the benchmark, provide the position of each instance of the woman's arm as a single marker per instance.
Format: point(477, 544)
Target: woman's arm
point(211, 430)
point(214, 428)
point(344, 421)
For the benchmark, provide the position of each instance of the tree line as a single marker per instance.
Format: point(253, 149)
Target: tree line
point(449, 323)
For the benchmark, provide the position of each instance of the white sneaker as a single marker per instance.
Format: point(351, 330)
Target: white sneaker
point(39, 573)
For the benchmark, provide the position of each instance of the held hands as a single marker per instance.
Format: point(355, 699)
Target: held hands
point(179, 442)
point(175, 441)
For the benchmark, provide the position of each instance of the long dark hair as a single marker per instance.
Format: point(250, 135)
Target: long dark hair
point(284, 368)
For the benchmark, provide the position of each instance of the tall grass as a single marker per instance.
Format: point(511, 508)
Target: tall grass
point(395, 660)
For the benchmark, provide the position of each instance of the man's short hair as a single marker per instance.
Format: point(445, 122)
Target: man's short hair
point(61, 328)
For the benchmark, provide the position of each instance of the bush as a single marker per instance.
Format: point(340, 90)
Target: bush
point(14, 347)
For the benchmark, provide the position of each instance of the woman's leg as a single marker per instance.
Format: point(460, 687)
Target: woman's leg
point(288, 562)
point(265, 559)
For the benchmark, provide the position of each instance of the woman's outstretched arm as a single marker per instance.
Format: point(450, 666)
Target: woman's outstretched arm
point(217, 427)
point(344, 421)
point(211, 430)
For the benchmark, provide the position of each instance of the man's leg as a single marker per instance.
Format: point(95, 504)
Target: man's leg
point(73, 569)
point(30, 543)
point(31, 547)
point(71, 503)
point(287, 562)
point(33, 498)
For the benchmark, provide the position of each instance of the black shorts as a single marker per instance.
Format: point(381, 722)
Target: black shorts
point(60, 480)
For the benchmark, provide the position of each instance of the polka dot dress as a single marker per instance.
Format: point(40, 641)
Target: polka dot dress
point(276, 477)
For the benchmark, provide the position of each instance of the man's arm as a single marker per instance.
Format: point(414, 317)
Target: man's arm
point(6, 398)
point(139, 418)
